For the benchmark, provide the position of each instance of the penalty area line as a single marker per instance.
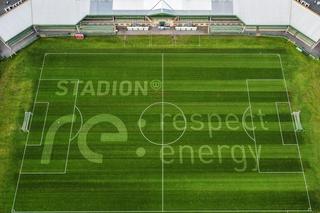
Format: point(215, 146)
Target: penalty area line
point(25, 145)
point(296, 136)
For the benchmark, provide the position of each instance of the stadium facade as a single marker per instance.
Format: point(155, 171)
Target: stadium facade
point(23, 21)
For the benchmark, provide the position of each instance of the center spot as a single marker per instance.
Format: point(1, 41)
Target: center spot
point(162, 123)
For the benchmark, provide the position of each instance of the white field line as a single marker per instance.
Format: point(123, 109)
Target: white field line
point(25, 146)
point(253, 130)
point(280, 127)
point(162, 129)
point(297, 140)
point(81, 124)
point(157, 53)
point(43, 128)
point(45, 121)
point(274, 80)
point(72, 122)
point(44, 173)
point(244, 124)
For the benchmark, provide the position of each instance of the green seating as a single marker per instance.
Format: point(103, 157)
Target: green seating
point(273, 28)
point(129, 17)
point(305, 39)
point(96, 20)
point(109, 18)
point(226, 24)
point(292, 31)
point(56, 28)
point(251, 28)
point(226, 28)
point(194, 18)
point(24, 34)
point(225, 18)
point(97, 29)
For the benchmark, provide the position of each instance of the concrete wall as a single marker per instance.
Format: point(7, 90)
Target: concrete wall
point(166, 4)
point(194, 5)
point(15, 21)
point(130, 5)
point(263, 12)
point(59, 12)
point(222, 7)
point(305, 21)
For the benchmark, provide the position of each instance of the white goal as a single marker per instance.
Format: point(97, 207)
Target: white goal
point(297, 121)
point(26, 122)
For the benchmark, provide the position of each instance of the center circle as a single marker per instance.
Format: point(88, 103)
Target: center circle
point(162, 123)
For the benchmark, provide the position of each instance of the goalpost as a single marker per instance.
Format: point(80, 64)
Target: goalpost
point(297, 121)
point(26, 122)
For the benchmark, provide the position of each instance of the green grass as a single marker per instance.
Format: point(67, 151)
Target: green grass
point(201, 79)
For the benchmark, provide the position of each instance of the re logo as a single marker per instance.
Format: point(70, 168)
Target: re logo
point(120, 136)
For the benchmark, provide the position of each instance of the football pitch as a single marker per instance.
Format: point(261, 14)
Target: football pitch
point(162, 132)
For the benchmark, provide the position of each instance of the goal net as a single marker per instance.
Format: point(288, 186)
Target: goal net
point(26, 122)
point(297, 121)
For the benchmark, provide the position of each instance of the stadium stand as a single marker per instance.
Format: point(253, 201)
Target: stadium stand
point(119, 19)
point(193, 19)
point(20, 41)
point(97, 29)
point(22, 36)
point(55, 30)
point(201, 18)
point(294, 32)
point(272, 28)
point(131, 20)
point(226, 25)
point(250, 28)
point(305, 39)
point(97, 25)
point(226, 29)
point(97, 20)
